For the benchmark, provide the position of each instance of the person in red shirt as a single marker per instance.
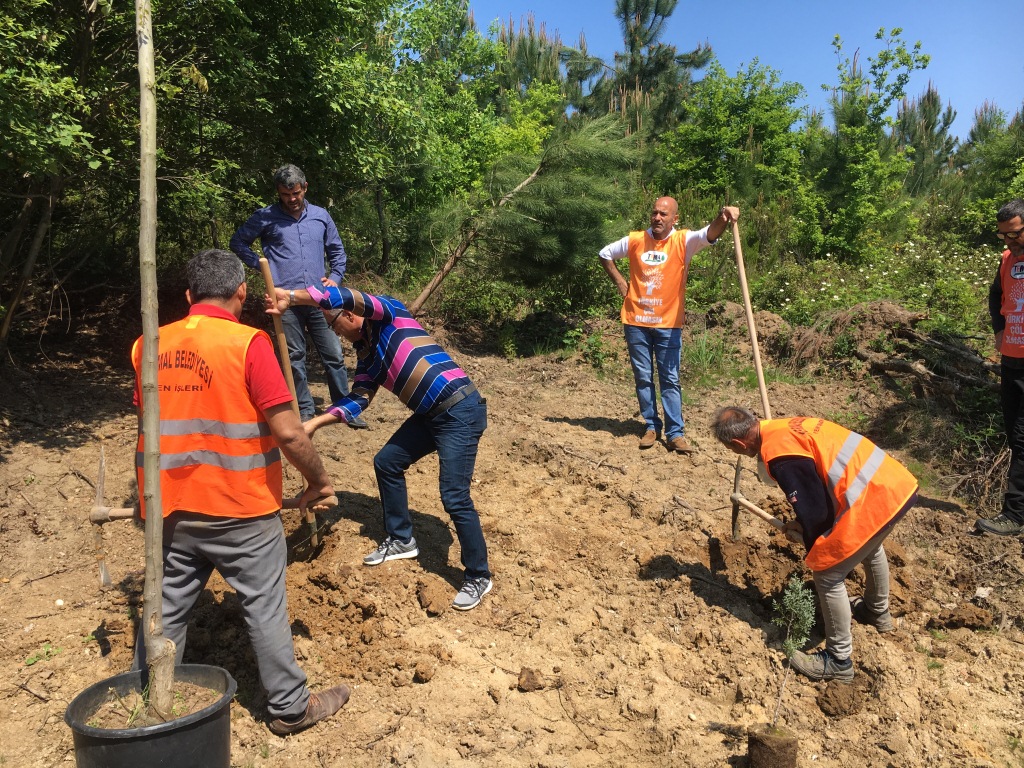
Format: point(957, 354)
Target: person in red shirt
point(225, 419)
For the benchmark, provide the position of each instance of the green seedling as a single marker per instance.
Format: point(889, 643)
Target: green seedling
point(46, 652)
point(795, 613)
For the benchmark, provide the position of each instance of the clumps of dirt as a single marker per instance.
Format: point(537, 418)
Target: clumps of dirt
point(530, 680)
point(433, 597)
point(759, 567)
point(844, 699)
point(965, 615)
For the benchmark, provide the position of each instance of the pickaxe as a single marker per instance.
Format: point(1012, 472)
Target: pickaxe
point(737, 498)
point(101, 514)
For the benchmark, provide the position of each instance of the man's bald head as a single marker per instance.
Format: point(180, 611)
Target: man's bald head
point(663, 217)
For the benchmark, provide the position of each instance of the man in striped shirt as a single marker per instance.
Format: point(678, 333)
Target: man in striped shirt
point(448, 417)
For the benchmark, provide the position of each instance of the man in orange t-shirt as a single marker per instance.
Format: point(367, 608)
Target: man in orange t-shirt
point(653, 310)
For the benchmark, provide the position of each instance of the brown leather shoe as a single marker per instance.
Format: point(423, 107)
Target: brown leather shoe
point(679, 445)
point(649, 439)
point(321, 705)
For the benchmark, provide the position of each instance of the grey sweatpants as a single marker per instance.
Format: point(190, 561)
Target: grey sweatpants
point(251, 555)
point(835, 602)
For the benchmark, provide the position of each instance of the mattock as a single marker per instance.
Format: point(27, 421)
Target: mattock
point(101, 514)
point(739, 501)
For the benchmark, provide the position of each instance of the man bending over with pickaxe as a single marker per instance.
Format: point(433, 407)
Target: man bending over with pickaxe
point(847, 494)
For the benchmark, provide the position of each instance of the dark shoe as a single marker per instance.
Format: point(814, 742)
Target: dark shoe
point(679, 445)
point(1000, 525)
point(821, 665)
point(472, 592)
point(358, 423)
point(392, 549)
point(321, 706)
point(864, 615)
point(649, 439)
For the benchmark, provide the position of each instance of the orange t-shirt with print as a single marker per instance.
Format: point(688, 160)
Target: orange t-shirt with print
point(657, 281)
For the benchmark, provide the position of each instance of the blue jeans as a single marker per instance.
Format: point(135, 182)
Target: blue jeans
point(661, 346)
point(455, 435)
point(296, 322)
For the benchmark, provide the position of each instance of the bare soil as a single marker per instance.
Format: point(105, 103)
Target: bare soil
point(626, 626)
point(128, 710)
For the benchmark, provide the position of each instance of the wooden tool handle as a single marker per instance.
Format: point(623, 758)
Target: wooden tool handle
point(757, 511)
point(286, 366)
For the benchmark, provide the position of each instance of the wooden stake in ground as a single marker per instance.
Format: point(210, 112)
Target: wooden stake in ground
point(738, 500)
point(160, 650)
point(286, 365)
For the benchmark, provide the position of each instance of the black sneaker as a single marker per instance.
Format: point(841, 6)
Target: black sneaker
point(821, 665)
point(357, 423)
point(1000, 525)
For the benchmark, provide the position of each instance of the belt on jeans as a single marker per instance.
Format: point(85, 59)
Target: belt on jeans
point(458, 397)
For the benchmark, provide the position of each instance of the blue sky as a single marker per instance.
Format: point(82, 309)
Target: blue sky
point(973, 46)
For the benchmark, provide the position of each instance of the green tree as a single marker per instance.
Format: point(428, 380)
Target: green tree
point(650, 79)
point(539, 216)
point(990, 161)
point(860, 170)
point(922, 131)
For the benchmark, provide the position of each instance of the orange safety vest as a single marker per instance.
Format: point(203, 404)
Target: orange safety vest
point(217, 455)
point(657, 281)
point(867, 485)
point(1011, 281)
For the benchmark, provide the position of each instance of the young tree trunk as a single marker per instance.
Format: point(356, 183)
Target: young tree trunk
point(385, 238)
point(463, 246)
point(159, 650)
point(13, 238)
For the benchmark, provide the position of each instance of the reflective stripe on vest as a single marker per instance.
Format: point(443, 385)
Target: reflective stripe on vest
point(218, 456)
point(867, 486)
point(859, 483)
point(214, 459)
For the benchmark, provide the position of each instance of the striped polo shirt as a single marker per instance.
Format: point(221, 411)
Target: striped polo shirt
point(395, 353)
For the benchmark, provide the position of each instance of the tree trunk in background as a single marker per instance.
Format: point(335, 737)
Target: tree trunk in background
point(159, 650)
point(385, 239)
point(13, 238)
point(42, 229)
point(463, 246)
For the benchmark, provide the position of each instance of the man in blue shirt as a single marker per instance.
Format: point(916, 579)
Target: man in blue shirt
point(295, 236)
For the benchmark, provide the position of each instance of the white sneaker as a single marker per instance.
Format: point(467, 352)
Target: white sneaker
point(392, 549)
point(472, 592)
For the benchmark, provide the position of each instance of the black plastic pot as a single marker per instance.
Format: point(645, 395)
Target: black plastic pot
point(201, 739)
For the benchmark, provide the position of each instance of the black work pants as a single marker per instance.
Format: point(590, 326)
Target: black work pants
point(1012, 394)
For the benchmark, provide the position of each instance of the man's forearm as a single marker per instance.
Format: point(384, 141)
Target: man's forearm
point(615, 276)
point(301, 454)
point(243, 250)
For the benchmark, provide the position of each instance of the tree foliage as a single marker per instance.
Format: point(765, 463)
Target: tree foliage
point(412, 124)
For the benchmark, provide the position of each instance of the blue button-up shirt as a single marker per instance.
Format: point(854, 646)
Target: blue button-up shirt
point(294, 247)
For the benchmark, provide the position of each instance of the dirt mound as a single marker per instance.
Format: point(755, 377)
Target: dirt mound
point(626, 626)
